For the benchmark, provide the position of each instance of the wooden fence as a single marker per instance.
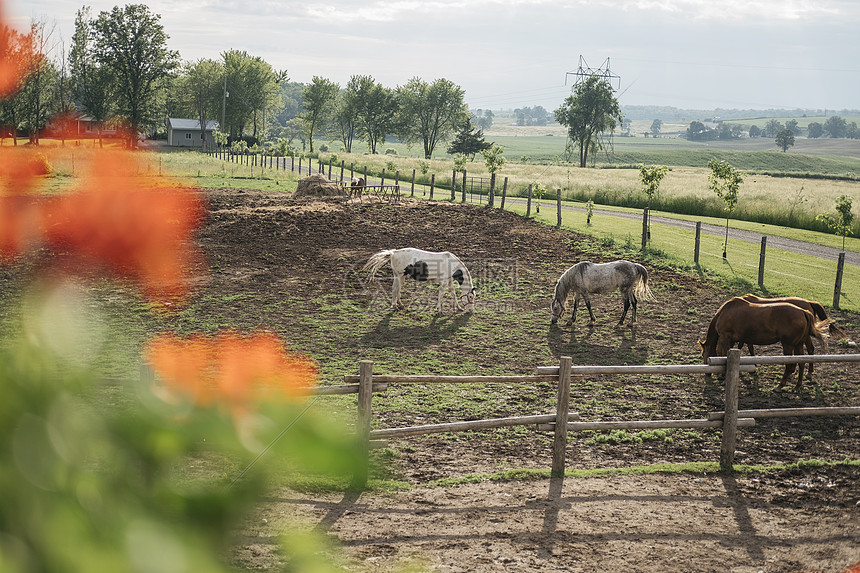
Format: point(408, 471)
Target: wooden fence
point(470, 188)
point(563, 420)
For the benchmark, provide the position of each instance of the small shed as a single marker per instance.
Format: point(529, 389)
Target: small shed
point(187, 132)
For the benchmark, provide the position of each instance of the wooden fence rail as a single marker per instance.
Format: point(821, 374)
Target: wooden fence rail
point(563, 421)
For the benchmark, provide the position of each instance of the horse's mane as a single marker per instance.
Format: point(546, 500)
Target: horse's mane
point(565, 281)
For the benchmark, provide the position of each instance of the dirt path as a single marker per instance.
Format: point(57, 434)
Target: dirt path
point(652, 523)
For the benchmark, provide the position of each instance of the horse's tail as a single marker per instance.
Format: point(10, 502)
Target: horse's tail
point(818, 310)
point(642, 289)
point(817, 328)
point(376, 262)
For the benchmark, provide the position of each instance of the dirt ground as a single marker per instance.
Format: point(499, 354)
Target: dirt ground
point(266, 247)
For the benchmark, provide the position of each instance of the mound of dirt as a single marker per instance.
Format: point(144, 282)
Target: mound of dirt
point(317, 186)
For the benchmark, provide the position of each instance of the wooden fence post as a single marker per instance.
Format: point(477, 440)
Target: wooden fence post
point(730, 419)
point(558, 205)
point(698, 241)
point(300, 165)
point(453, 184)
point(529, 202)
point(432, 184)
point(645, 236)
point(412, 192)
point(504, 192)
point(761, 261)
point(362, 426)
point(837, 289)
point(342, 162)
point(559, 444)
point(463, 200)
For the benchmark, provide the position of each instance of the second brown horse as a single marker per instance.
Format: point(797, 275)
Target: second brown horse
point(739, 320)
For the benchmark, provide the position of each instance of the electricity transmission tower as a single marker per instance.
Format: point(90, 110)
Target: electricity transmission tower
point(583, 72)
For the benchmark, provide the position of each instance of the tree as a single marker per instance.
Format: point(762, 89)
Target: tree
point(317, 100)
point(755, 131)
point(835, 126)
point(377, 113)
point(494, 158)
point(785, 139)
point(698, 131)
point(252, 88)
point(656, 126)
point(588, 112)
point(772, 127)
point(651, 178)
point(841, 224)
point(793, 126)
point(346, 116)
point(132, 43)
point(469, 141)
point(201, 86)
point(485, 119)
point(92, 82)
point(814, 130)
point(725, 181)
point(429, 113)
point(18, 58)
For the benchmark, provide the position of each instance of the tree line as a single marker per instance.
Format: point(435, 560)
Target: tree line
point(120, 73)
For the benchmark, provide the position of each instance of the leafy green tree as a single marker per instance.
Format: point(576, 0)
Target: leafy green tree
point(485, 119)
point(656, 126)
point(201, 87)
point(814, 130)
point(132, 43)
point(698, 131)
point(835, 126)
point(589, 111)
point(92, 82)
point(494, 158)
point(252, 87)
point(317, 101)
point(772, 127)
point(725, 181)
point(429, 113)
point(785, 139)
point(841, 223)
point(376, 108)
point(469, 141)
point(346, 116)
point(651, 178)
point(793, 126)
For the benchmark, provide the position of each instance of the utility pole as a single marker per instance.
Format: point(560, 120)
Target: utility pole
point(224, 102)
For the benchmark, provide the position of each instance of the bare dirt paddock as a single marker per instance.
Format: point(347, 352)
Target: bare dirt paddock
point(269, 249)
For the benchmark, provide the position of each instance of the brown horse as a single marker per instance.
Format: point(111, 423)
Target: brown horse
point(740, 320)
point(356, 186)
point(816, 308)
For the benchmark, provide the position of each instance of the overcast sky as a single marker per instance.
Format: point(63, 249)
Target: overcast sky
point(505, 54)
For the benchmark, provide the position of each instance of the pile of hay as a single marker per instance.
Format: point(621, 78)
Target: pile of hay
point(317, 186)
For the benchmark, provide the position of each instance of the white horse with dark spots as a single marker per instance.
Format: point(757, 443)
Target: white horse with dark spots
point(443, 268)
point(586, 278)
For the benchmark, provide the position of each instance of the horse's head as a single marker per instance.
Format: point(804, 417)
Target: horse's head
point(469, 300)
point(706, 349)
point(557, 308)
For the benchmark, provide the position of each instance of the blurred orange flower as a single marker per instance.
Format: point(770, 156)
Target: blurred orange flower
point(17, 57)
point(230, 369)
point(136, 229)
